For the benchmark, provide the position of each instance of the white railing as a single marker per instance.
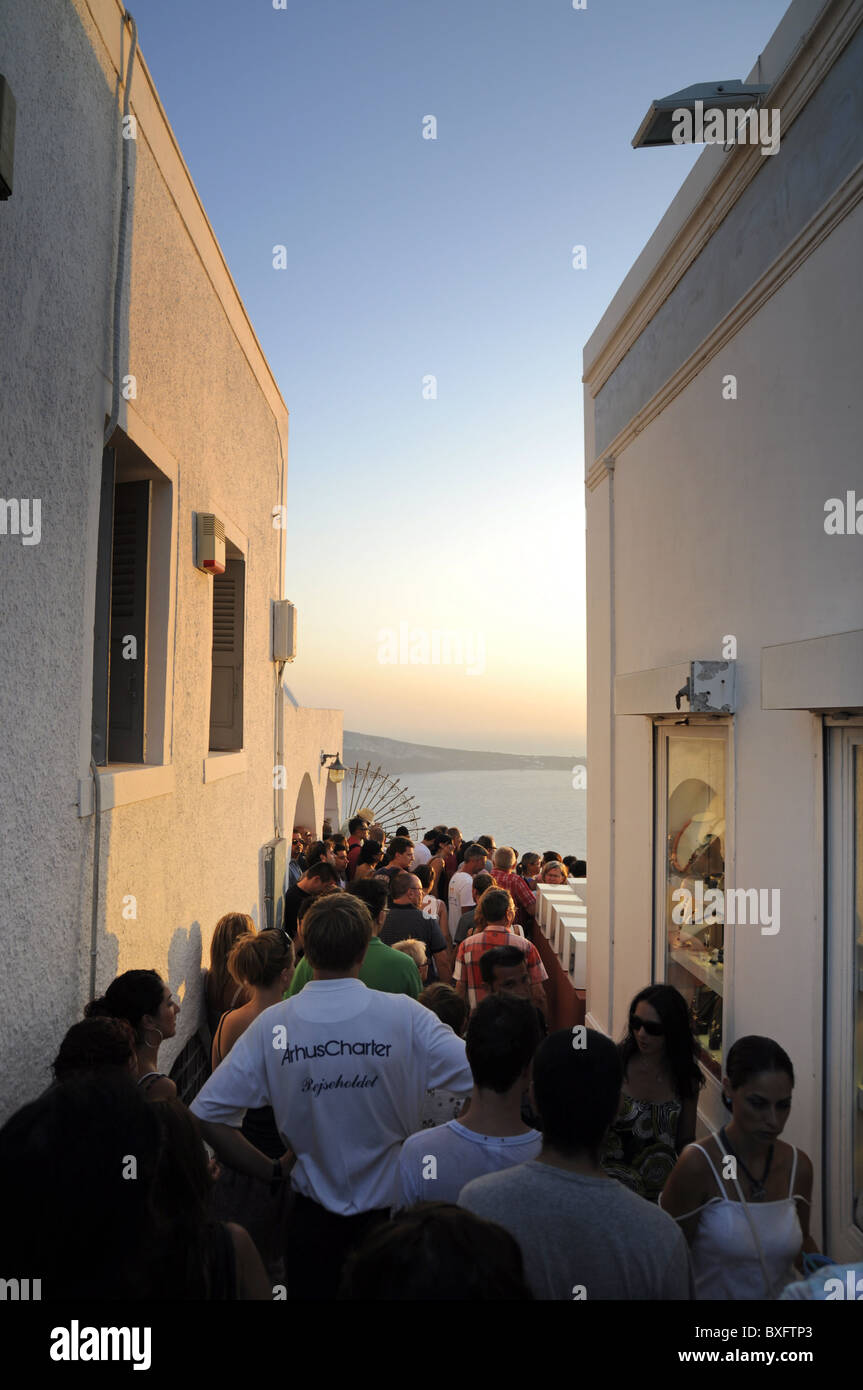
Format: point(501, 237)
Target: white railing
point(561, 913)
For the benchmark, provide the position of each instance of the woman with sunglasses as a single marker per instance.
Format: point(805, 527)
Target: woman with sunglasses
point(742, 1197)
point(659, 1098)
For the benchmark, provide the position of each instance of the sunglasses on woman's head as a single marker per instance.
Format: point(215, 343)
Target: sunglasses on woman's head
point(653, 1030)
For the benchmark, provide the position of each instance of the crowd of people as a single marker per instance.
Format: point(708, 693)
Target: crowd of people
point(391, 1113)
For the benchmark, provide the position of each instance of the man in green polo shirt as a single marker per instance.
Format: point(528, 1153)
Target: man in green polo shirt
point(391, 971)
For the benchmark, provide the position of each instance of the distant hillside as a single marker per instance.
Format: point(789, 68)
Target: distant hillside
point(396, 757)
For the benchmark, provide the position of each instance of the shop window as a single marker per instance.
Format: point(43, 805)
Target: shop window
point(691, 810)
point(843, 1055)
point(857, 981)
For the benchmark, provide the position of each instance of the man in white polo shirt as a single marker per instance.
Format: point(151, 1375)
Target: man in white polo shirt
point(346, 1070)
point(460, 896)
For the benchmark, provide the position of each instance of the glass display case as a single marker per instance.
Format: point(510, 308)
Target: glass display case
point(692, 809)
point(857, 978)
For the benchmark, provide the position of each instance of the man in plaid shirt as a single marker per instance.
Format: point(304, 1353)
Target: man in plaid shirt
point(498, 912)
point(502, 873)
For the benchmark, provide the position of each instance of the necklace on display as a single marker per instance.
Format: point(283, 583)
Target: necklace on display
point(759, 1189)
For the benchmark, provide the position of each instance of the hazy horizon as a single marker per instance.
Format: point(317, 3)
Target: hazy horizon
point(462, 748)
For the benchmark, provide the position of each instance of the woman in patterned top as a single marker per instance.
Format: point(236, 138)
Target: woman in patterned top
point(659, 1099)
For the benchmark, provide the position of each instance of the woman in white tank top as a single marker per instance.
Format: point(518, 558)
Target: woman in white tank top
point(742, 1197)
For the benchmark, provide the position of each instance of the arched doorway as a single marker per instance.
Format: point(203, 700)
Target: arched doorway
point(331, 804)
point(304, 810)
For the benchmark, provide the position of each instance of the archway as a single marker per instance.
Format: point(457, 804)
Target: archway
point(331, 804)
point(304, 810)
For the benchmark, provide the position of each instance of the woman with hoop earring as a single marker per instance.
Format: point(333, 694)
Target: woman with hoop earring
point(142, 998)
point(659, 1097)
point(742, 1197)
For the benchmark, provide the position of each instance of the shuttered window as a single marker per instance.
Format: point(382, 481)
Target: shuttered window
point(128, 661)
point(102, 614)
point(226, 690)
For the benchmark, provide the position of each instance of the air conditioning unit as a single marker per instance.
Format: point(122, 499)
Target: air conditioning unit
point(210, 547)
point(284, 630)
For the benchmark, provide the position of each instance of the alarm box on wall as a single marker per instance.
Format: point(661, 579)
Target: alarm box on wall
point(284, 630)
point(210, 544)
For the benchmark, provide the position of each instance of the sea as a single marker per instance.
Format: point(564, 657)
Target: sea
point(533, 809)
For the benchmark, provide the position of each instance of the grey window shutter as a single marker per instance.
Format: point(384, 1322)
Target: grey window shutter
point(126, 681)
point(226, 691)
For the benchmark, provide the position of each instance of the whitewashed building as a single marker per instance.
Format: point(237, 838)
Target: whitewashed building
point(141, 710)
point(724, 415)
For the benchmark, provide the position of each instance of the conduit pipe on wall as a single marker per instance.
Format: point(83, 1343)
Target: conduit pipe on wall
point(120, 277)
point(119, 284)
point(278, 789)
point(94, 916)
point(612, 661)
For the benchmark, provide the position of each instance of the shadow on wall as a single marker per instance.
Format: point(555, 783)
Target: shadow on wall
point(186, 981)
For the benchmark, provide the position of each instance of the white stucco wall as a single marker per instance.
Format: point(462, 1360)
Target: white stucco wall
point(718, 528)
point(207, 413)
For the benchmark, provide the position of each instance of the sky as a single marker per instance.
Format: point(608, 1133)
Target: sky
point(427, 324)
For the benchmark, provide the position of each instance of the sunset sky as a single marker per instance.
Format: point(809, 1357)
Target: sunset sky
point(409, 257)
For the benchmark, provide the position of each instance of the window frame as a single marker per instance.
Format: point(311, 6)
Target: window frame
point(693, 726)
point(844, 1237)
point(124, 783)
point(233, 557)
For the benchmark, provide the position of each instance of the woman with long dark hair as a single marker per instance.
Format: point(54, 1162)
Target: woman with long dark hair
point(223, 992)
point(202, 1258)
point(659, 1099)
point(263, 962)
point(368, 860)
point(742, 1198)
point(142, 998)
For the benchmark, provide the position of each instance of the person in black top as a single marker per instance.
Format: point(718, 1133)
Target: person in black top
point(399, 856)
point(405, 920)
point(320, 878)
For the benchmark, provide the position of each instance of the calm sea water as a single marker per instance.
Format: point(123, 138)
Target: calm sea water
point(531, 810)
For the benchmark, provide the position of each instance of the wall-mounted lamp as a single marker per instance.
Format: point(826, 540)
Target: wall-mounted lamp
point(731, 95)
point(337, 768)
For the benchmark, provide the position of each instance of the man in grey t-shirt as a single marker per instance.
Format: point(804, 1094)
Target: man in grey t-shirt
point(582, 1235)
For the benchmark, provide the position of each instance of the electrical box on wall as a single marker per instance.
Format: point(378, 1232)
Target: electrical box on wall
point(7, 138)
point(712, 687)
point(274, 856)
point(284, 630)
point(210, 544)
point(687, 687)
